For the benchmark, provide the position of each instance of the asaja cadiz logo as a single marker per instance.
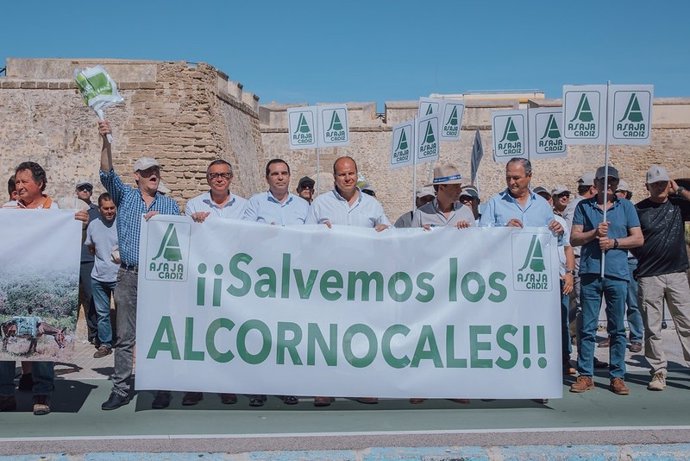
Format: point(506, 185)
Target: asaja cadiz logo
point(336, 130)
point(531, 268)
point(402, 150)
point(429, 147)
point(632, 124)
point(510, 143)
point(551, 140)
point(169, 262)
point(303, 133)
point(451, 126)
point(583, 124)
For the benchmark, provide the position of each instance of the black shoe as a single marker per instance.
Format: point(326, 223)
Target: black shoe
point(26, 382)
point(162, 400)
point(290, 400)
point(115, 401)
point(228, 399)
point(635, 347)
point(257, 400)
point(192, 398)
point(8, 403)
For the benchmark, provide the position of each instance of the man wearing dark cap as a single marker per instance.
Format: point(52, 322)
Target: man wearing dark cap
point(598, 237)
point(305, 188)
point(84, 189)
point(470, 198)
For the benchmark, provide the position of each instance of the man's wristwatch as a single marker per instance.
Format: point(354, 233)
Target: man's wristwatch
point(615, 243)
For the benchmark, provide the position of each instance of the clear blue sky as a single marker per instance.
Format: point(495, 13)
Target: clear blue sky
point(369, 50)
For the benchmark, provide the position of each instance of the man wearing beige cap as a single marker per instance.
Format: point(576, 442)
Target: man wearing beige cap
point(662, 266)
point(445, 209)
point(131, 204)
point(560, 196)
point(470, 198)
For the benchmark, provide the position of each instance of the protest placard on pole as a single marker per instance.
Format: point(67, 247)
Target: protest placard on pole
point(545, 134)
point(630, 114)
point(427, 139)
point(428, 106)
point(509, 129)
point(584, 114)
point(333, 126)
point(302, 123)
point(402, 144)
point(451, 121)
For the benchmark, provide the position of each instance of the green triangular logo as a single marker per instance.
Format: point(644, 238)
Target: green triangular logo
point(551, 130)
point(302, 125)
point(633, 112)
point(453, 118)
point(170, 246)
point(583, 112)
point(335, 122)
point(429, 136)
point(429, 110)
point(535, 257)
point(510, 133)
point(402, 142)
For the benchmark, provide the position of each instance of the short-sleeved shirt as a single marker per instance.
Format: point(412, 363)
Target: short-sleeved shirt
point(366, 211)
point(503, 207)
point(621, 217)
point(566, 243)
point(264, 207)
point(430, 214)
point(664, 250)
point(405, 220)
point(232, 209)
point(130, 208)
point(103, 236)
point(94, 213)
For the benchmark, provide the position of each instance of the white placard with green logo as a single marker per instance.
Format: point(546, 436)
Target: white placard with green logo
point(333, 128)
point(402, 145)
point(428, 106)
point(584, 114)
point(509, 128)
point(427, 138)
point(630, 114)
point(456, 317)
point(451, 121)
point(545, 133)
point(302, 123)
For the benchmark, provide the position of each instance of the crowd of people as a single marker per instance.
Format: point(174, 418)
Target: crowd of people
point(635, 259)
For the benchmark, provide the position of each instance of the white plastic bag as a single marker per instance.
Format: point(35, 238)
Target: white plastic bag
point(97, 89)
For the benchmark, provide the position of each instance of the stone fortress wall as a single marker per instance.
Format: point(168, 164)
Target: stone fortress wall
point(188, 114)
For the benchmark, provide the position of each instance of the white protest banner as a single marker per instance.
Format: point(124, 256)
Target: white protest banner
point(402, 144)
point(302, 123)
point(545, 134)
point(451, 120)
point(333, 128)
point(509, 129)
point(428, 106)
point(584, 114)
point(275, 310)
point(426, 138)
point(39, 284)
point(630, 114)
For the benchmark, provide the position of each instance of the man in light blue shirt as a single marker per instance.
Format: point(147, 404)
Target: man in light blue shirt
point(517, 205)
point(345, 205)
point(218, 201)
point(277, 206)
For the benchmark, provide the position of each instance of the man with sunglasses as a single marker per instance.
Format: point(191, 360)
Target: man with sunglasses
point(612, 238)
point(132, 203)
point(84, 189)
point(305, 188)
point(560, 196)
point(218, 201)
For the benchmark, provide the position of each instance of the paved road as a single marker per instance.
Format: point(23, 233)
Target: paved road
point(598, 423)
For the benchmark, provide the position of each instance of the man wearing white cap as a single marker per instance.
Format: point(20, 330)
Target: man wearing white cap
point(445, 209)
point(131, 204)
point(424, 195)
point(662, 267)
point(560, 196)
point(470, 198)
point(612, 238)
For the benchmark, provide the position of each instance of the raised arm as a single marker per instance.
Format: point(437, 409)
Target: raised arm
point(106, 150)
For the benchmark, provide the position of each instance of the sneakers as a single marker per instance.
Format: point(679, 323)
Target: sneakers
point(658, 382)
point(41, 406)
point(618, 387)
point(161, 400)
point(102, 352)
point(582, 384)
point(114, 401)
point(8, 403)
point(635, 347)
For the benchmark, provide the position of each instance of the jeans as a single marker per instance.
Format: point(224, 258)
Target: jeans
point(43, 374)
point(566, 346)
point(86, 299)
point(125, 326)
point(101, 298)
point(614, 291)
point(635, 323)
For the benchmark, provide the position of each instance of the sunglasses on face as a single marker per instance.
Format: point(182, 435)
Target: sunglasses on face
point(219, 175)
point(567, 194)
point(147, 173)
point(84, 188)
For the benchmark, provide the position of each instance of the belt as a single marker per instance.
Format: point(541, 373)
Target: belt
point(128, 267)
